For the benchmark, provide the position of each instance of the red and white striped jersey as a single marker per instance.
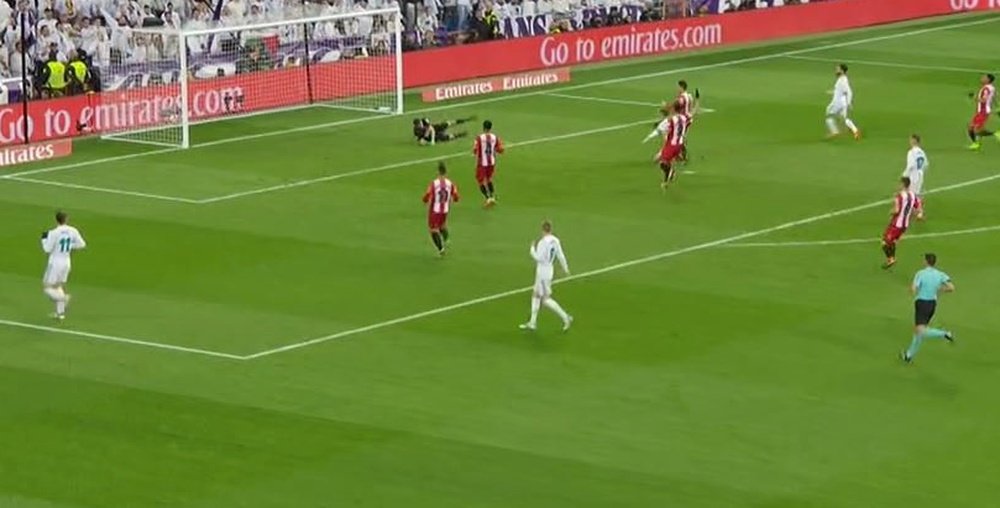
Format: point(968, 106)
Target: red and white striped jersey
point(906, 202)
point(441, 193)
point(984, 100)
point(674, 129)
point(486, 148)
point(686, 101)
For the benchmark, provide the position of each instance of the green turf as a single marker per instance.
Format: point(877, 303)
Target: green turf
point(715, 377)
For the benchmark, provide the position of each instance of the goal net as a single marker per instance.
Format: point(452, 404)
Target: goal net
point(350, 65)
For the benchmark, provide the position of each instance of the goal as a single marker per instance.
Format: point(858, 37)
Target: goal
point(348, 65)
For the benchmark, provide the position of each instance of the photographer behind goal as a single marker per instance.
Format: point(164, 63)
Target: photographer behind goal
point(428, 133)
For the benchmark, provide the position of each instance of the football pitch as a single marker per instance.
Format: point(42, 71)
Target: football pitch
point(261, 320)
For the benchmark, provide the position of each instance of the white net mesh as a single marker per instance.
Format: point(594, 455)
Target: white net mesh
point(346, 62)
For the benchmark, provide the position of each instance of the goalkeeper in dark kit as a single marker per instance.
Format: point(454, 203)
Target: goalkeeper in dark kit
point(428, 133)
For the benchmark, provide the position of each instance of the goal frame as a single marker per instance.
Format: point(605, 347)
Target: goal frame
point(306, 23)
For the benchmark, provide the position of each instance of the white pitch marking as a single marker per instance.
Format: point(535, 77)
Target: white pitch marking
point(900, 65)
point(121, 340)
point(612, 81)
point(600, 271)
point(89, 163)
point(818, 243)
point(414, 162)
point(603, 99)
point(120, 192)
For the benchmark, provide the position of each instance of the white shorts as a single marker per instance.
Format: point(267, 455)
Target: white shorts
point(543, 287)
point(917, 182)
point(837, 109)
point(56, 274)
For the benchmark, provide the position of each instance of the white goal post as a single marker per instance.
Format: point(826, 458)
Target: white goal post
point(173, 79)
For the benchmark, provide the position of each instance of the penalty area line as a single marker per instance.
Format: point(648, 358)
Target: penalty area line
point(850, 241)
point(600, 271)
point(120, 340)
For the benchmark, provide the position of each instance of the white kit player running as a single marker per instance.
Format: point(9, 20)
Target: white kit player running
point(840, 106)
point(546, 251)
point(59, 243)
point(916, 164)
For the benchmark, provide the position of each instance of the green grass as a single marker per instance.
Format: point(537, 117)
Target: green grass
point(719, 377)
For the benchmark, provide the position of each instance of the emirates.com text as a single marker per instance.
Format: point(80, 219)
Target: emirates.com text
point(556, 52)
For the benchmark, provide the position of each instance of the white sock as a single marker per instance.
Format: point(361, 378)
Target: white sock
point(831, 125)
point(536, 303)
point(552, 304)
point(61, 307)
point(850, 125)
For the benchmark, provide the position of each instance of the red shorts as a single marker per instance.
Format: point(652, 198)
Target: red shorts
point(669, 154)
point(484, 174)
point(892, 234)
point(979, 121)
point(436, 221)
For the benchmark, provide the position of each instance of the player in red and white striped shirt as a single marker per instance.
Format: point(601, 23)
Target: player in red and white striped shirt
point(985, 98)
point(673, 129)
point(486, 148)
point(441, 193)
point(689, 106)
point(903, 205)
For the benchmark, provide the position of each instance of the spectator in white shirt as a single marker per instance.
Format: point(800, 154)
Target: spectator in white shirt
point(21, 64)
point(544, 7)
point(528, 8)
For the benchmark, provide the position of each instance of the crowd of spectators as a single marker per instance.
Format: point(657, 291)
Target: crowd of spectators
point(100, 33)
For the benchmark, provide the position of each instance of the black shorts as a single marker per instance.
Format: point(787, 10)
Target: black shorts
point(440, 128)
point(923, 311)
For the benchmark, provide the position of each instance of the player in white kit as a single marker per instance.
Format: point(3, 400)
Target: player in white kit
point(59, 243)
point(916, 163)
point(840, 106)
point(546, 251)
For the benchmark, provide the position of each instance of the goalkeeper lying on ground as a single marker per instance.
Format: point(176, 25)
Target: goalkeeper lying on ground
point(428, 133)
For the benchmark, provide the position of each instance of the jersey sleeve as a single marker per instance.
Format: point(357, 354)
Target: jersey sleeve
point(78, 241)
point(561, 256)
point(49, 243)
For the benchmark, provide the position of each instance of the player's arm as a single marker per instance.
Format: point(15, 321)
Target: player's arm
point(428, 193)
point(78, 241)
point(475, 147)
point(454, 193)
point(916, 285)
point(533, 251)
point(48, 242)
point(561, 256)
point(948, 286)
point(660, 131)
point(432, 133)
point(499, 147)
point(896, 207)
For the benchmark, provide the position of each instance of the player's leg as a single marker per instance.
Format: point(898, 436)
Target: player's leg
point(852, 126)
point(668, 174)
point(555, 307)
point(975, 127)
point(889, 240)
point(434, 223)
point(538, 294)
point(55, 278)
point(917, 186)
point(482, 179)
point(489, 185)
point(445, 235)
point(832, 111)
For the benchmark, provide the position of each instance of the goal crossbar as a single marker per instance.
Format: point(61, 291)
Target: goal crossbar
point(256, 69)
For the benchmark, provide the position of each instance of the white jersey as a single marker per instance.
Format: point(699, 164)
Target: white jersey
point(545, 253)
point(842, 93)
point(60, 242)
point(916, 161)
